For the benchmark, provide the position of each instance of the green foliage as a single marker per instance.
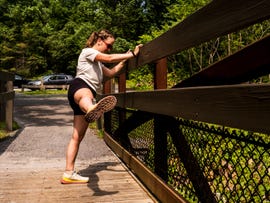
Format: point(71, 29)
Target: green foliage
point(39, 35)
point(141, 79)
point(3, 132)
point(188, 62)
point(46, 35)
point(46, 92)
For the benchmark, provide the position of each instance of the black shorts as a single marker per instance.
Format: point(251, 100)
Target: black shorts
point(75, 85)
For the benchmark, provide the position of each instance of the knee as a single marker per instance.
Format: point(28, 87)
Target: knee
point(82, 95)
point(77, 138)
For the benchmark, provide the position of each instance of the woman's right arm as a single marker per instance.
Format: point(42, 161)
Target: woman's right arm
point(113, 58)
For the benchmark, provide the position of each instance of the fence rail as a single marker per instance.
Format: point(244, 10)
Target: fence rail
point(207, 138)
point(7, 95)
point(239, 106)
point(44, 87)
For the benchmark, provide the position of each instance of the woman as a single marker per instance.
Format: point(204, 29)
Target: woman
point(82, 91)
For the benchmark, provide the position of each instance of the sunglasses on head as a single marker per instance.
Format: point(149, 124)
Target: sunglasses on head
point(109, 46)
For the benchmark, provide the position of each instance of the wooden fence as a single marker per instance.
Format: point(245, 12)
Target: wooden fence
point(44, 87)
point(204, 159)
point(6, 99)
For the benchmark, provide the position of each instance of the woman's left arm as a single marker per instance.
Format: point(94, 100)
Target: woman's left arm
point(112, 72)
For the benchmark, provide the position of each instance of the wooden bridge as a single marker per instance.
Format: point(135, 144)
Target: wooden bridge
point(32, 160)
point(198, 141)
point(207, 138)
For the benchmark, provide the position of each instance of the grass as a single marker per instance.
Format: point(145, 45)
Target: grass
point(45, 92)
point(3, 130)
point(94, 126)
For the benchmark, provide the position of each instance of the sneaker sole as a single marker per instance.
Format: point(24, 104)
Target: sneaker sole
point(104, 105)
point(63, 181)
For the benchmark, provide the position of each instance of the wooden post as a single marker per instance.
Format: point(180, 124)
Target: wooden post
point(122, 89)
point(2, 104)
point(9, 107)
point(42, 87)
point(107, 88)
point(160, 78)
point(122, 83)
point(160, 147)
point(6, 99)
point(160, 139)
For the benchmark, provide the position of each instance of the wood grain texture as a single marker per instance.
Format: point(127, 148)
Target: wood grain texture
point(216, 19)
point(249, 63)
point(112, 185)
point(240, 106)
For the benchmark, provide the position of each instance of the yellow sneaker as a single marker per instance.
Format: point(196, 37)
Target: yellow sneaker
point(73, 178)
point(104, 105)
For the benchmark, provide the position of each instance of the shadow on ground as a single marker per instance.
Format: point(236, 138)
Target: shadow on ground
point(92, 172)
point(42, 111)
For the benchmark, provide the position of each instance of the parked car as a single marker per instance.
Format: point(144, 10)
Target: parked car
point(19, 81)
point(55, 79)
point(38, 82)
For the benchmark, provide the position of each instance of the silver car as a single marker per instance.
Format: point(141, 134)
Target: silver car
point(55, 79)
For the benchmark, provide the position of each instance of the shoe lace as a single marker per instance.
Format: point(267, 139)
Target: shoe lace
point(75, 175)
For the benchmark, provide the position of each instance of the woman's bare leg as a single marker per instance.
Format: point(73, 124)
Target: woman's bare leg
point(79, 129)
point(84, 98)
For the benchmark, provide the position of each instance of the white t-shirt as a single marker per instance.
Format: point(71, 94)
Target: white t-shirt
point(90, 70)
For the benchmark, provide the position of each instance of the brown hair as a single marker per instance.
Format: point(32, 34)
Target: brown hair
point(102, 34)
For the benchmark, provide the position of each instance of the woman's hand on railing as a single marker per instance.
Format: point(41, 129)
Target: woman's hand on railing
point(136, 50)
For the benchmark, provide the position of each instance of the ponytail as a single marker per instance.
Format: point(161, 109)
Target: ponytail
point(102, 34)
point(92, 40)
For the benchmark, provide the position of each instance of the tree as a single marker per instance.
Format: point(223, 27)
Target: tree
point(40, 36)
point(53, 32)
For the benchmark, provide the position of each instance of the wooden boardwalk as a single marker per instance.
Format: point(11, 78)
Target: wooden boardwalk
point(33, 160)
point(110, 182)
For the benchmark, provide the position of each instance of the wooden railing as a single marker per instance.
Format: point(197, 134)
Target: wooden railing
point(6, 99)
point(44, 87)
point(198, 141)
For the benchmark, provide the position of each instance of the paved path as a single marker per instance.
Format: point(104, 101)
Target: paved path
point(33, 160)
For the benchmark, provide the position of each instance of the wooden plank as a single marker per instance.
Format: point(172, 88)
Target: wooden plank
point(113, 184)
point(249, 63)
point(218, 18)
point(157, 186)
point(240, 106)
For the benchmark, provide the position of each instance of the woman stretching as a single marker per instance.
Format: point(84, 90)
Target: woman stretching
point(82, 91)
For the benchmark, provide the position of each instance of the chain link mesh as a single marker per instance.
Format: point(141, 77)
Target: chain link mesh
point(235, 163)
